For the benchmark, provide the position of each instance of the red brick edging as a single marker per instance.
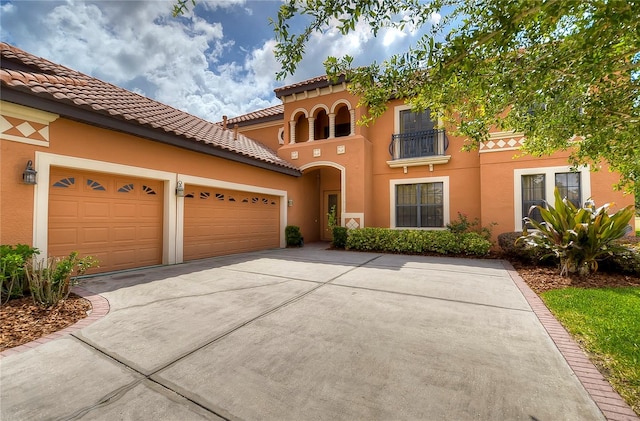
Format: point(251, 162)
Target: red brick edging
point(99, 309)
point(613, 407)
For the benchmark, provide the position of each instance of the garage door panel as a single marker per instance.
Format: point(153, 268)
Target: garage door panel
point(93, 235)
point(67, 237)
point(95, 209)
point(108, 217)
point(125, 210)
point(64, 209)
point(219, 221)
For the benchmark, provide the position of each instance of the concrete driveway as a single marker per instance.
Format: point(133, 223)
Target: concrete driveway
point(302, 334)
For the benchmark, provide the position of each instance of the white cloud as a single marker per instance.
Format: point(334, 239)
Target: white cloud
point(182, 62)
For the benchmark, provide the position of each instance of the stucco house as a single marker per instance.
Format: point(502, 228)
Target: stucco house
point(135, 182)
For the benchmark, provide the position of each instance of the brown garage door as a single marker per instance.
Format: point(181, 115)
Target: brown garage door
point(218, 222)
point(114, 218)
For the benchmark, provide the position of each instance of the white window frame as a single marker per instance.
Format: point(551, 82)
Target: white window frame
point(549, 172)
point(445, 200)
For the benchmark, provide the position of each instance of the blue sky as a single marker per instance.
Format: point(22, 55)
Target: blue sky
point(216, 60)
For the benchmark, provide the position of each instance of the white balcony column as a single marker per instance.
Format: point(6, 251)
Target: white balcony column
point(352, 113)
point(332, 126)
point(312, 121)
point(292, 132)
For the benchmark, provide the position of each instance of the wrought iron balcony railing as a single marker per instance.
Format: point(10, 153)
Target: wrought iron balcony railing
point(418, 144)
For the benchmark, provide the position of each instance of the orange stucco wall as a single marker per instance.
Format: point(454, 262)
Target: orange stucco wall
point(16, 198)
point(266, 134)
point(497, 178)
point(81, 140)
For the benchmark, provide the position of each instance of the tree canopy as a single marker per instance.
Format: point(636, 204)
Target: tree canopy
point(564, 73)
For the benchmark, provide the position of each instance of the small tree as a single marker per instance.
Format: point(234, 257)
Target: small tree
point(578, 237)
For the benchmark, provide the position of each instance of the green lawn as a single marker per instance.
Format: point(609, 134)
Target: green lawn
point(607, 322)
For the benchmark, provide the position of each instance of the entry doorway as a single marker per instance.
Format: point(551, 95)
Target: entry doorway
point(331, 201)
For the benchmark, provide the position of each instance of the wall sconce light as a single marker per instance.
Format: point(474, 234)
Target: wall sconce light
point(29, 174)
point(290, 202)
point(180, 189)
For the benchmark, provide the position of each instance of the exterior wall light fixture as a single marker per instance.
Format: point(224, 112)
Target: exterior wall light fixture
point(29, 174)
point(180, 189)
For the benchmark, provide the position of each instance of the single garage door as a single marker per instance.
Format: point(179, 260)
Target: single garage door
point(116, 219)
point(218, 222)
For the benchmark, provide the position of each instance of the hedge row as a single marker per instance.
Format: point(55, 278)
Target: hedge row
point(417, 241)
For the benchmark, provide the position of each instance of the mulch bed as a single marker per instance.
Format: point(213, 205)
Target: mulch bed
point(545, 278)
point(22, 321)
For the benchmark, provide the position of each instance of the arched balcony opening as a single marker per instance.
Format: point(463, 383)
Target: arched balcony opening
point(302, 128)
point(321, 125)
point(343, 121)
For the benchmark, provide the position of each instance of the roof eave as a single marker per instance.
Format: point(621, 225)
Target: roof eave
point(317, 84)
point(94, 118)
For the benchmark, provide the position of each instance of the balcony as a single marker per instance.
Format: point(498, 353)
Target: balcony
point(419, 148)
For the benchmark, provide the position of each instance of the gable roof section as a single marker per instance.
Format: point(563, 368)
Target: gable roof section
point(274, 113)
point(36, 82)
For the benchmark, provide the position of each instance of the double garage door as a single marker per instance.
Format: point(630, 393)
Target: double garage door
point(218, 222)
point(119, 219)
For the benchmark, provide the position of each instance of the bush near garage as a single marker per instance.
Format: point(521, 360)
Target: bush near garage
point(13, 280)
point(293, 236)
point(417, 241)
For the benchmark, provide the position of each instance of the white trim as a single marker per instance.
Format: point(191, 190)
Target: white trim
point(209, 182)
point(27, 113)
point(12, 138)
point(445, 199)
point(421, 161)
point(549, 172)
point(343, 184)
point(297, 111)
point(340, 102)
point(318, 107)
point(43, 163)
point(396, 116)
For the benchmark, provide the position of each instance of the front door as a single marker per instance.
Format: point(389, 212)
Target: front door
point(331, 202)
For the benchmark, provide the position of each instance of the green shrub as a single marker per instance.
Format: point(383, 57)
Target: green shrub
point(462, 225)
point(293, 236)
point(339, 237)
point(518, 249)
point(417, 241)
point(578, 237)
point(12, 273)
point(626, 259)
point(50, 280)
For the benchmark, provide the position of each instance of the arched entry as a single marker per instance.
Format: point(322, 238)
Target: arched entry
point(324, 183)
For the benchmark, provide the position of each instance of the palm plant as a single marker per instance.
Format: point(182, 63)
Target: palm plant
point(578, 237)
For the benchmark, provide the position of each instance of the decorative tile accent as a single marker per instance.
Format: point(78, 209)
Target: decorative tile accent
point(352, 224)
point(294, 155)
point(24, 124)
point(316, 152)
point(340, 149)
point(504, 144)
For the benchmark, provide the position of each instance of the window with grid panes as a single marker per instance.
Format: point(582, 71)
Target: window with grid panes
point(419, 205)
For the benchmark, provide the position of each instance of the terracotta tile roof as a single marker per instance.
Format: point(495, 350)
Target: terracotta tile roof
point(271, 113)
point(305, 85)
point(25, 72)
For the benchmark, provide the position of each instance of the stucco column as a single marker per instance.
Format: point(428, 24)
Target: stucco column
point(312, 122)
point(352, 113)
point(292, 132)
point(332, 126)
